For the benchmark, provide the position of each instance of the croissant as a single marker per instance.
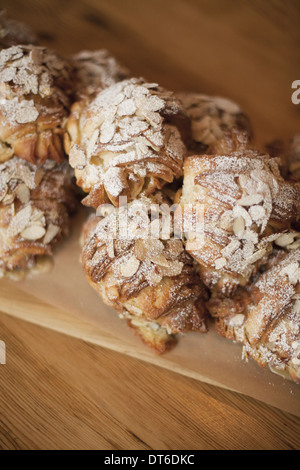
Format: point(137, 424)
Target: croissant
point(239, 206)
point(128, 141)
point(35, 208)
point(266, 317)
point(213, 118)
point(95, 71)
point(13, 32)
point(34, 101)
point(147, 277)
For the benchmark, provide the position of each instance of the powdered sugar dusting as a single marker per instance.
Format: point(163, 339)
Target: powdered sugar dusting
point(129, 120)
point(253, 207)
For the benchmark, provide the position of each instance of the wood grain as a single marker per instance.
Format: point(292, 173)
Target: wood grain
point(71, 395)
point(61, 393)
point(248, 51)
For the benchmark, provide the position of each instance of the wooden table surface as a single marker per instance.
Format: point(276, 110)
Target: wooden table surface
point(61, 393)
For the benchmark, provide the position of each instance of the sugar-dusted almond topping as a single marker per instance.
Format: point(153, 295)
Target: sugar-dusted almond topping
point(247, 205)
point(124, 137)
point(130, 268)
point(33, 233)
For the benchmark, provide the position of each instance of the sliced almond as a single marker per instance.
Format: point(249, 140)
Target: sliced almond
point(286, 239)
point(93, 142)
point(52, 232)
point(161, 261)
point(77, 157)
point(220, 263)
point(256, 256)
point(20, 221)
point(130, 268)
point(153, 278)
point(148, 250)
point(33, 233)
point(23, 193)
point(252, 200)
point(174, 269)
point(239, 226)
point(39, 175)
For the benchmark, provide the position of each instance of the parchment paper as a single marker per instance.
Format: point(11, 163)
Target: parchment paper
point(209, 356)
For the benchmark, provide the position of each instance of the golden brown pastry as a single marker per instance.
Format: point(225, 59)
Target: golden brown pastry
point(95, 71)
point(35, 208)
point(266, 317)
point(34, 87)
point(126, 142)
point(13, 32)
point(213, 119)
point(151, 281)
point(239, 205)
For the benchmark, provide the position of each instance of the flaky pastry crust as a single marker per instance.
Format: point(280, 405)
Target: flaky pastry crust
point(213, 120)
point(34, 89)
point(35, 208)
point(151, 281)
point(266, 317)
point(126, 142)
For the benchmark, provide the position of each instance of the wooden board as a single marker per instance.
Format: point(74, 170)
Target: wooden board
point(58, 392)
point(16, 303)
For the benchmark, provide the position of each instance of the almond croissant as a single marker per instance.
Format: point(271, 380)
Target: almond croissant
point(212, 119)
point(34, 101)
point(242, 206)
point(266, 317)
point(35, 208)
point(151, 281)
point(127, 141)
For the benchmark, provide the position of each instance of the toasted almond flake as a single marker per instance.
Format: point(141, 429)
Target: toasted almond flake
point(251, 200)
point(52, 232)
point(20, 221)
point(33, 233)
point(286, 239)
point(130, 268)
point(148, 250)
point(154, 278)
point(161, 261)
point(23, 193)
point(220, 263)
point(239, 226)
point(256, 256)
point(77, 157)
point(92, 143)
point(174, 269)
